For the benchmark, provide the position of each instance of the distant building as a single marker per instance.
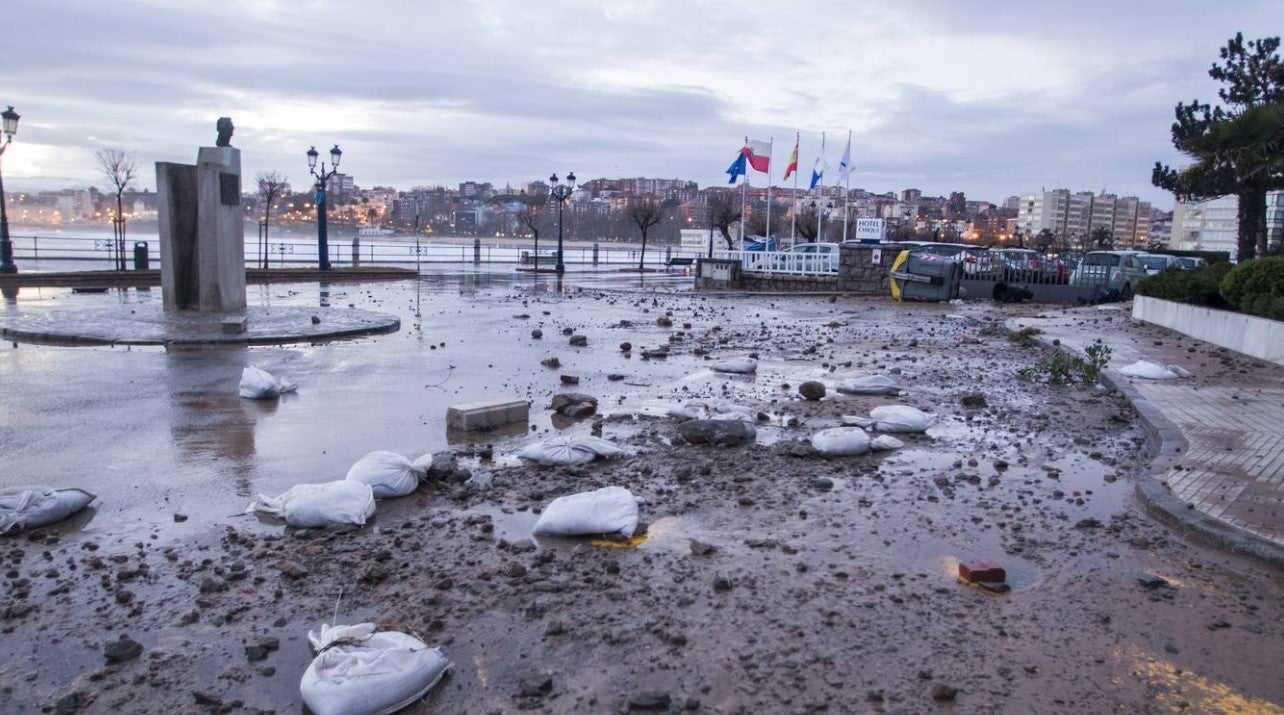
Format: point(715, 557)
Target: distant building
point(1213, 225)
point(1072, 218)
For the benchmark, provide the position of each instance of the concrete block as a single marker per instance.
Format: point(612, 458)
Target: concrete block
point(234, 324)
point(487, 414)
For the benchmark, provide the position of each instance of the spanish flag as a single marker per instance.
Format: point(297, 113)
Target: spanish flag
point(793, 161)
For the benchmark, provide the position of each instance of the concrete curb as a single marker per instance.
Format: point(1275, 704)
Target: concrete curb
point(1169, 444)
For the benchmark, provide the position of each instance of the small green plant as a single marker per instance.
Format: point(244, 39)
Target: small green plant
point(1025, 336)
point(1061, 368)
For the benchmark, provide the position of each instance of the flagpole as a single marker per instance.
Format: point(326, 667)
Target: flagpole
point(793, 199)
point(771, 149)
point(744, 200)
point(847, 198)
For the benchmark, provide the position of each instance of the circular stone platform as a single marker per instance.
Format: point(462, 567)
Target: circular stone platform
point(141, 324)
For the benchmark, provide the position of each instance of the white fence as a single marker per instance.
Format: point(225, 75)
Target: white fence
point(295, 250)
point(784, 262)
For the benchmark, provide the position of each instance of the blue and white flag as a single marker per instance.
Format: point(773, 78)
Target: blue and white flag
point(817, 172)
point(845, 165)
point(737, 167)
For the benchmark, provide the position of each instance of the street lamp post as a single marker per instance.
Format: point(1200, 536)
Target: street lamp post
point(561, 192)
point(6, 246)
point(323, 247)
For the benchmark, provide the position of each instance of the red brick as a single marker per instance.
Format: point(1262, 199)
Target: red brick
point(981, 570)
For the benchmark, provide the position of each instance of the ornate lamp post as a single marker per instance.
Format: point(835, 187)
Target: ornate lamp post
point(323, 247)
point(561, 192)
point(6, 246)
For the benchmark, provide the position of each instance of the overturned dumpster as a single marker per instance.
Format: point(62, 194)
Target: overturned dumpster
point(925, 276)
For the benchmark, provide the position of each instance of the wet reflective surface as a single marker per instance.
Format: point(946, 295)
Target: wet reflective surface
point(831, 584)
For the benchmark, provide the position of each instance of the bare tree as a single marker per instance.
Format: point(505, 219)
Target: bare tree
point(529, 218)
point(722, 213)
point(808, 225)
point(272, 185)
point(118, 166)
point(645, 214)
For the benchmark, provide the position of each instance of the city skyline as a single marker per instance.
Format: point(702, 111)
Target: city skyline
point(939, 96)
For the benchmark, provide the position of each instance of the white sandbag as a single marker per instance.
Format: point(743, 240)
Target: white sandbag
point(885, 442)
point(870, 385)
point(259, 384)
point(900, 418)
point(689, 411)
point(389, 474)
point(360, 671)
point(856, 421)
point(568, 450)
point(608, 510)
point(422, 463)
point(29, 507)
point(311, 505)
point(1150, 371)
point(841, 441)
point(1180, 371)
point(735, 413)
point(737, 365)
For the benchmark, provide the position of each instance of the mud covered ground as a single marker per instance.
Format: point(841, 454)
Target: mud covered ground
point(768, 580)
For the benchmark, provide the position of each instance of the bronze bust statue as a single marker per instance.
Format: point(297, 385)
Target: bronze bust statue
point(224, 132)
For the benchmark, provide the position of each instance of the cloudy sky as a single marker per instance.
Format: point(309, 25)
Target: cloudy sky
point(989, 98)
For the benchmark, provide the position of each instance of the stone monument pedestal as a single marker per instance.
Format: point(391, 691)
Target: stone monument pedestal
point(202, 232)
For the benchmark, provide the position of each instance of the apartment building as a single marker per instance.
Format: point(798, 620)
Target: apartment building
point(1213, 225)
point(1072, 217)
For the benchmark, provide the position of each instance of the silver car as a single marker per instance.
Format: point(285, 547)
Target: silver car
point(1110, 270)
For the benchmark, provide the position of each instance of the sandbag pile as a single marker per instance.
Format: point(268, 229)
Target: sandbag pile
point(567, 450)
point(389, 474)
point(29, 507)
point(609, 510)
point(900, 418)
point(361, 671)
point(741, 366)
point(316, 505)
point(870, 385)
point(259, 384)
point(841, 441)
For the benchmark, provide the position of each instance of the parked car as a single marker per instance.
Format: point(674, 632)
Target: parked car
point(1019, 264)
point(1110, 270)
point(807, 258)
point(1154, 263)
point(1190, 263)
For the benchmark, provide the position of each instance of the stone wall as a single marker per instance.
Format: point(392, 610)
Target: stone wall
point(776, 283)
point(860, 274)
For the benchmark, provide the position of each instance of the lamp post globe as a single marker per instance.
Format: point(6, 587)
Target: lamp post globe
point(10, 127)
point(322, 176)
point(561, 192)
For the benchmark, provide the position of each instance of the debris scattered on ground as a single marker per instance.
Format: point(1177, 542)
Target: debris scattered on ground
point(723, 433)
point(812, 390)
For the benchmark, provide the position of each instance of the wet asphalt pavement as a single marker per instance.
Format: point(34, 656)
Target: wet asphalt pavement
point(831, 587)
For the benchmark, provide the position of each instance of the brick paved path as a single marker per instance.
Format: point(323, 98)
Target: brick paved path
point(1231, 412)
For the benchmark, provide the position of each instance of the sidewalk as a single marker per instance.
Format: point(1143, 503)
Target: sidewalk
point(1219, 471)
